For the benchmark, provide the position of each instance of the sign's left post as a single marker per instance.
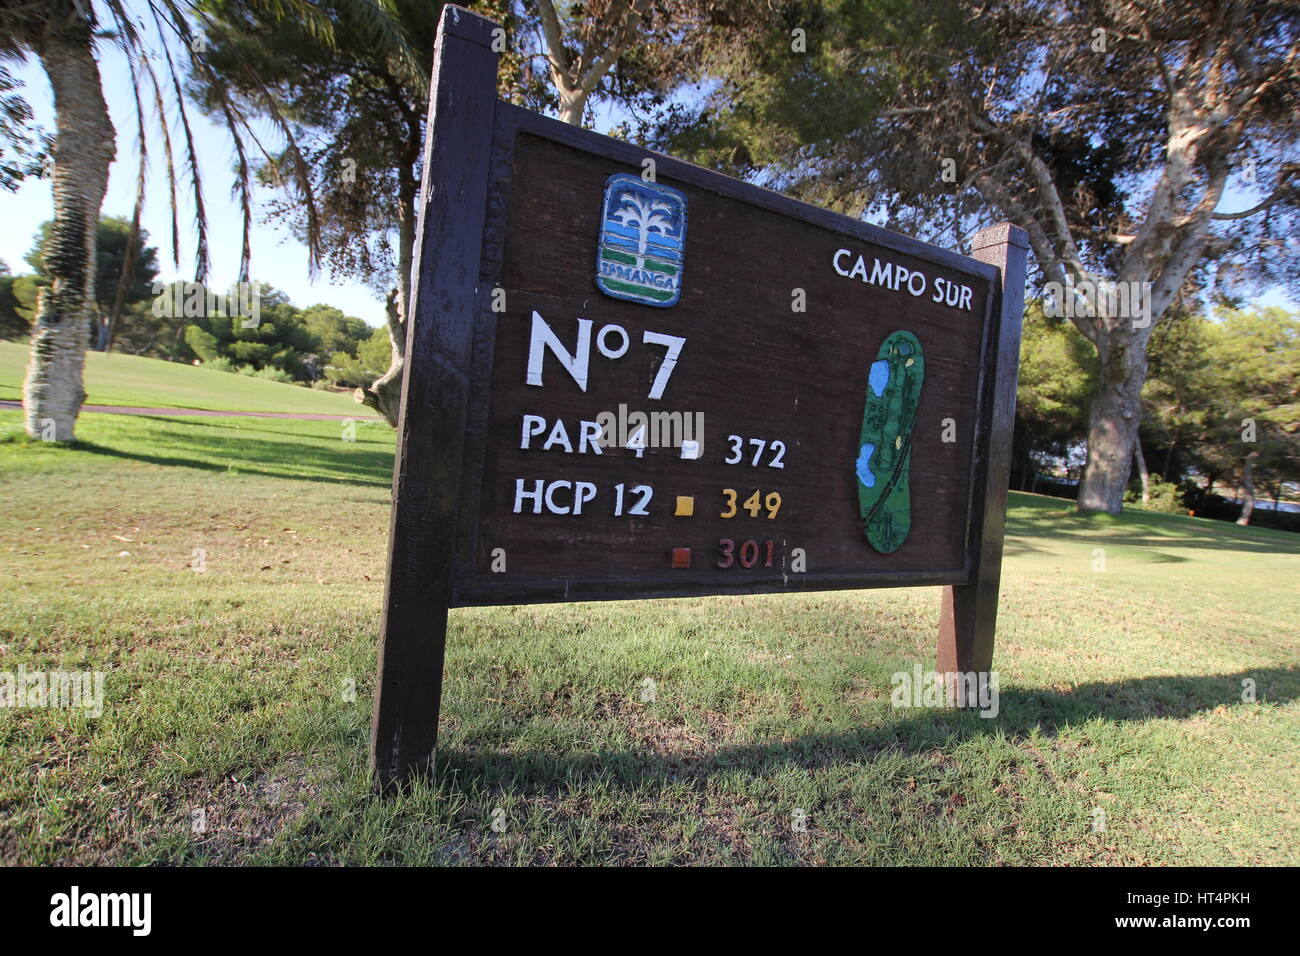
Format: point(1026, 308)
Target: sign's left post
point(435, 394)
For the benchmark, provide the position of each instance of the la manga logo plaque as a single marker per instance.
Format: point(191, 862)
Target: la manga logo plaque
point(642, 241)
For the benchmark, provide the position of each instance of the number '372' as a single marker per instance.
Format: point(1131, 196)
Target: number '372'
point(737, 456)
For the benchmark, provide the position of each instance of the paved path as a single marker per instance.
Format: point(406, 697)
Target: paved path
point(205, 412)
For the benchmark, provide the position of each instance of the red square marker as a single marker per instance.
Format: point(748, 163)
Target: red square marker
point(681, 557)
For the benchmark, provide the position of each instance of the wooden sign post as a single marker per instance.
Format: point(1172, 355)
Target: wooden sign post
point(630, 377)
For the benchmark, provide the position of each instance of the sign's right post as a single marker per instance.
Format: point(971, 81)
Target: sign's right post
point(969, 614)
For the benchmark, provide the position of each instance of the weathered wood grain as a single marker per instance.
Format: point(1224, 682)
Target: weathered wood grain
point(751, 365)
point(968, 615)
point(511, 204)
point(435, 392)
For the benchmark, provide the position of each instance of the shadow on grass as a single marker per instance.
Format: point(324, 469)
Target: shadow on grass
point(296, 460)
point(1022, 712)
point(1019, 544)
point(1144, 532)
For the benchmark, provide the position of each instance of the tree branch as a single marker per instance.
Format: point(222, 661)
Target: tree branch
point(559, 60)
point(605, 61)
point(1068, 252)
point(1279, 193)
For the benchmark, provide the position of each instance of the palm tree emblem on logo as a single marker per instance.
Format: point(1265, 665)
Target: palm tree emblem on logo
point(644, 216)
point(642, 241)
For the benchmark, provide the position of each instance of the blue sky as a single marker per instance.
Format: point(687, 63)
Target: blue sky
point(278, 258)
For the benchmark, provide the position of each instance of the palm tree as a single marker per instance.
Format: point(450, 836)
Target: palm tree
point(60, 33)
point(65, 36)
point(648, 217)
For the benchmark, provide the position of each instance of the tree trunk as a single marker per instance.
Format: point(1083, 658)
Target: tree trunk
point(1114, 419)
point(119, 294)
point(1248, 486)
point(1140, 460)
point(110, 332)
point(83, 151)
point(573, 104)
point(385, 393)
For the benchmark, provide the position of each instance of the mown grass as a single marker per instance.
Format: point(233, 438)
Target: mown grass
point(116, 379)
point(243, 691)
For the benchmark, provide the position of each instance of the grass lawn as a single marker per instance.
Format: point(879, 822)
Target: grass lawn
point(231, 732)
point(152, 383)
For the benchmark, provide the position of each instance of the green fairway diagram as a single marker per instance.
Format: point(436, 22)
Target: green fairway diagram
point(885, 446)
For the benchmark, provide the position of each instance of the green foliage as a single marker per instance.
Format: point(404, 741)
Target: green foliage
point(144, 330)
point(220, 364)
point(13, 324)
point(359, 109)
point(1208, 378)
point(280, 336)
point(371, 360)
point(1223, 392)
point(344, 370)
point(1255, 370)
point(269, 372)
point(25, 290)
point(20, 136)
point(1180, 393)
point(255, 354)
point(374, 353)
point(1165, 497)
point(1058, 374)
point(333, 331)
point(111, 252)
point(116, 379)
point(110, 259)
point(202, 343)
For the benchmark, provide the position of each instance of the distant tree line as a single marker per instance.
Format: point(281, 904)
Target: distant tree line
point(1144, 145)
point(139, 317)
point(1219, 411)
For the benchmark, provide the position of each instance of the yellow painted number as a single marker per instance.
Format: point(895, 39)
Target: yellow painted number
point(730, 510)
point(754, 504)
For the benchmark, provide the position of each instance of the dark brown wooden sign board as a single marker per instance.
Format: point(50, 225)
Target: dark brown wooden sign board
point(764, 337)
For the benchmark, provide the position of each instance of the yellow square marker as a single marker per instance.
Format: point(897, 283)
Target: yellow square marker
point(685, 506)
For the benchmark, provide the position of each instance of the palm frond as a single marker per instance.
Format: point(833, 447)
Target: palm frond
point(242, 186)
point(169, 156)
point(202, 261)
point(142, 174)
point(317, 24)
point(301, 170)
point(380, 25)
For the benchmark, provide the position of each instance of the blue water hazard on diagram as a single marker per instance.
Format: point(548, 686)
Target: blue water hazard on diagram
point(642, 239)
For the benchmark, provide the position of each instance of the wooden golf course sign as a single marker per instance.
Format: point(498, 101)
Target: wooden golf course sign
point(629, 377)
